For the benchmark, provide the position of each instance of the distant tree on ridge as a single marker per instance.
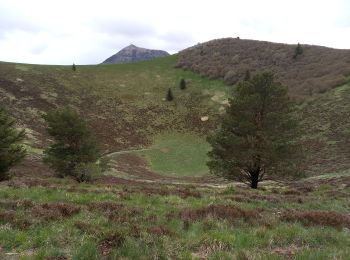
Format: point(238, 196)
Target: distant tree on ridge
point(298, 51)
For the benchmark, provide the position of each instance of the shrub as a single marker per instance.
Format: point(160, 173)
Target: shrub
point(86, 172)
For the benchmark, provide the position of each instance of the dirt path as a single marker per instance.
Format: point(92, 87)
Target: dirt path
point(127, 151)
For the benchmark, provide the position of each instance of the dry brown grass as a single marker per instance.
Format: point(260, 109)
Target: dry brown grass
point(55, 211)
point(13, 205)
point(9, 216)
point(227, 212)
point(162, 191)
point(104, 206)
point(82, 226)
point(316, 70)
point(318, 217)
point(185, 193)
point(160, 230)
point(110, 241)
point(117, 212)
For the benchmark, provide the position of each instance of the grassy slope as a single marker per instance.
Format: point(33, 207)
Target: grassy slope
point(124, 105)
point(327, 130)
point(305, 220)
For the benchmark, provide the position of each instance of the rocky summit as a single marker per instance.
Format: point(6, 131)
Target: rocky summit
point(133, 53)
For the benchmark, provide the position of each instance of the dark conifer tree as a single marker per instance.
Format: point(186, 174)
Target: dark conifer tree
point(298, 51)
point(11, 151)
point(182, 84)
point(74, 144)
point(259, 133)
point(169, 95)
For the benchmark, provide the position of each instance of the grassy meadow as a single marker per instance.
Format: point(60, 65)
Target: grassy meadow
point(178, 154)
point(60, 219)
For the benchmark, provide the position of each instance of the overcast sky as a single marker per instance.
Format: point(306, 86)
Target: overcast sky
point(89, 31)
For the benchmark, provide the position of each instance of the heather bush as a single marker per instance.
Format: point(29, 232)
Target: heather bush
point(229, 58)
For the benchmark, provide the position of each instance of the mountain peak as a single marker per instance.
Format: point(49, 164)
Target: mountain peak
point(131, 46)
point(132, 53)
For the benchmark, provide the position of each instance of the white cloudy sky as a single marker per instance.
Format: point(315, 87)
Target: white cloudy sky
point(88, 31)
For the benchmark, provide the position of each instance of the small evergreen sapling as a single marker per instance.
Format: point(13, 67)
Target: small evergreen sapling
point(169, 95)
point(182, 84)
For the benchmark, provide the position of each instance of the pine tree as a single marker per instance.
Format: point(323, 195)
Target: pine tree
point(259, 133)
point(169, 96)
point(182, 84)
point(74, 67)
point(298, 51)
point(11, 152)
point(74, 144)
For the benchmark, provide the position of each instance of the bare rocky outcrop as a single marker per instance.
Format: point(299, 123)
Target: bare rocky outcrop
point(133, 53)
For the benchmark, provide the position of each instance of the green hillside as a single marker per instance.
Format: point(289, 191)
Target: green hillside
point(126, 108)
point(124, 104)
point(158, 201)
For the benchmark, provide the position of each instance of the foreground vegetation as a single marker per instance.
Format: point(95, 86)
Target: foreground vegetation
point(46, 218)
